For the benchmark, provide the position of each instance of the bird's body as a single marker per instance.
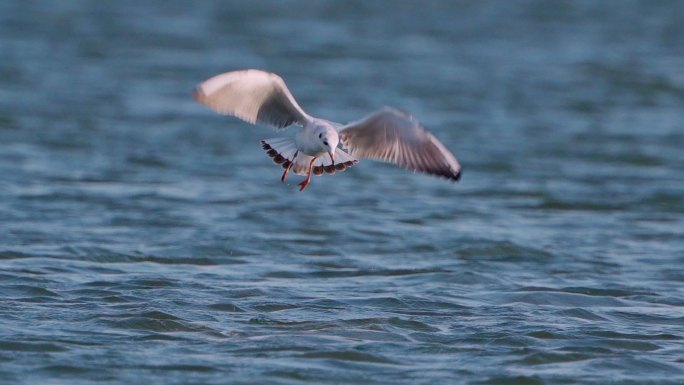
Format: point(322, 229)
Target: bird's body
point(309, 143)
point(387, 135)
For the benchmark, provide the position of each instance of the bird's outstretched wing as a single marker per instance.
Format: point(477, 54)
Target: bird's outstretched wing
point(254, 96)
point(393, 136)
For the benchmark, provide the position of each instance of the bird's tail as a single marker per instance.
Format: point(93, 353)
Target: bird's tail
point(342, 161)
point(283, 151)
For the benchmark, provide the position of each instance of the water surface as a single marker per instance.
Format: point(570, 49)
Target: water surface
point(144, 239)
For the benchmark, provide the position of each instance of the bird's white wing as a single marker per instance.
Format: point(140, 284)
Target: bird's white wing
point(393, 136)
point(253, 96)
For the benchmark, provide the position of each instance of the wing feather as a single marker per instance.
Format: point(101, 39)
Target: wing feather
point(393, 136)
point(254, 96)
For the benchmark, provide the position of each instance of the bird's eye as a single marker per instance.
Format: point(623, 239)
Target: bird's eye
point(326, 143)
point(320, 136)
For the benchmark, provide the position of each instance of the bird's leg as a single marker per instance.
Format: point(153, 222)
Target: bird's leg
point(289, 166)
point(306, 181)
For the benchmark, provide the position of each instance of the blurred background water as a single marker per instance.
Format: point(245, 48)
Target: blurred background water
point(145, 239)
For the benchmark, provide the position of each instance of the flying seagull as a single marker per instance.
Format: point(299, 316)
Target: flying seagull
point(387, 135)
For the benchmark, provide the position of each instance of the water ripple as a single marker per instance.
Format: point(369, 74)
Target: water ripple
point(144, 239)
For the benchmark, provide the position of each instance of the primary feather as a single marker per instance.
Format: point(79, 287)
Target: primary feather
point(393, 136)
point(253, 96)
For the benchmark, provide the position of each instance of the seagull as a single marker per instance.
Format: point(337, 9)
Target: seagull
point(387, 135)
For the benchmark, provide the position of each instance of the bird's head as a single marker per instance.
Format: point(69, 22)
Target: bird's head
point(328, 139)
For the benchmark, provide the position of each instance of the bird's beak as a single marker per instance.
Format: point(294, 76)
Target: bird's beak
point(332, 157)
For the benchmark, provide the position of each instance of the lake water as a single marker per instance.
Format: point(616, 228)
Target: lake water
point(146, 240)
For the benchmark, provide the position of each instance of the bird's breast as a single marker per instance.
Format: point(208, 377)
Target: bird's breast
point(308, 144)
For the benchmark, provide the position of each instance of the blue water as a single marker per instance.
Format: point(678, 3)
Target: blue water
point(145, 239)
